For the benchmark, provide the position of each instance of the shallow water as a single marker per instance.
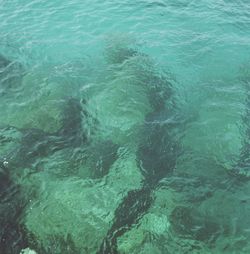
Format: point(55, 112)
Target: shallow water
point(124, 126)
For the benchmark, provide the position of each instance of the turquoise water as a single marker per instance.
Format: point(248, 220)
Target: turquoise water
point(124, 126)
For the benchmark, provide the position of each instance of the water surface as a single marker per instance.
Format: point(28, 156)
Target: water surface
point(125, 125)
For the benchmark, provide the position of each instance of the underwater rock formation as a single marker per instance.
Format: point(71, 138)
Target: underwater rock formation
point(39, 104)
point(22, 148)
point(156, 157)
point(101, 152)
point(187, 222)
point(36, 143)
point(35, 99)
point(137, 202)
point(114, 144)
point(81, 208)
point(101, 155)
point(127, 214)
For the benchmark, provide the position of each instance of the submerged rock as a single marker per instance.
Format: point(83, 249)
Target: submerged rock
point(36, 145)
point(37, 103)
point(77, 209)
point(119, 49)
point(34, 106)
point(130, 92)
point(120, 105)
point(153, 139)
point(99, 191)
point(188, 223)
point(152, 231)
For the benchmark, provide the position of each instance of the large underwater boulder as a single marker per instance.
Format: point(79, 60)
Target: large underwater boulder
point(37, 105)
point(130, 90)
point(37, 100)
point(153, 227)
point(74, 214)
point(121, 103)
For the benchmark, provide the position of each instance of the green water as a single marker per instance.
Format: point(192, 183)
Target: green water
point(124, 126)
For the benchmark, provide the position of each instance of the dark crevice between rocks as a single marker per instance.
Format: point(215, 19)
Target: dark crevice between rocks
point(134, 205)
point(12, 238)
point(160, 88)
point(71, 130)
point(187, 222)
point(156, 159)
point(158, 153)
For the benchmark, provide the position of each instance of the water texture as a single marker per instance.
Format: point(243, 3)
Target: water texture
point(124, 127)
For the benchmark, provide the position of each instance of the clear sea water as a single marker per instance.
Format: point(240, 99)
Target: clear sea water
point(124, 126)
